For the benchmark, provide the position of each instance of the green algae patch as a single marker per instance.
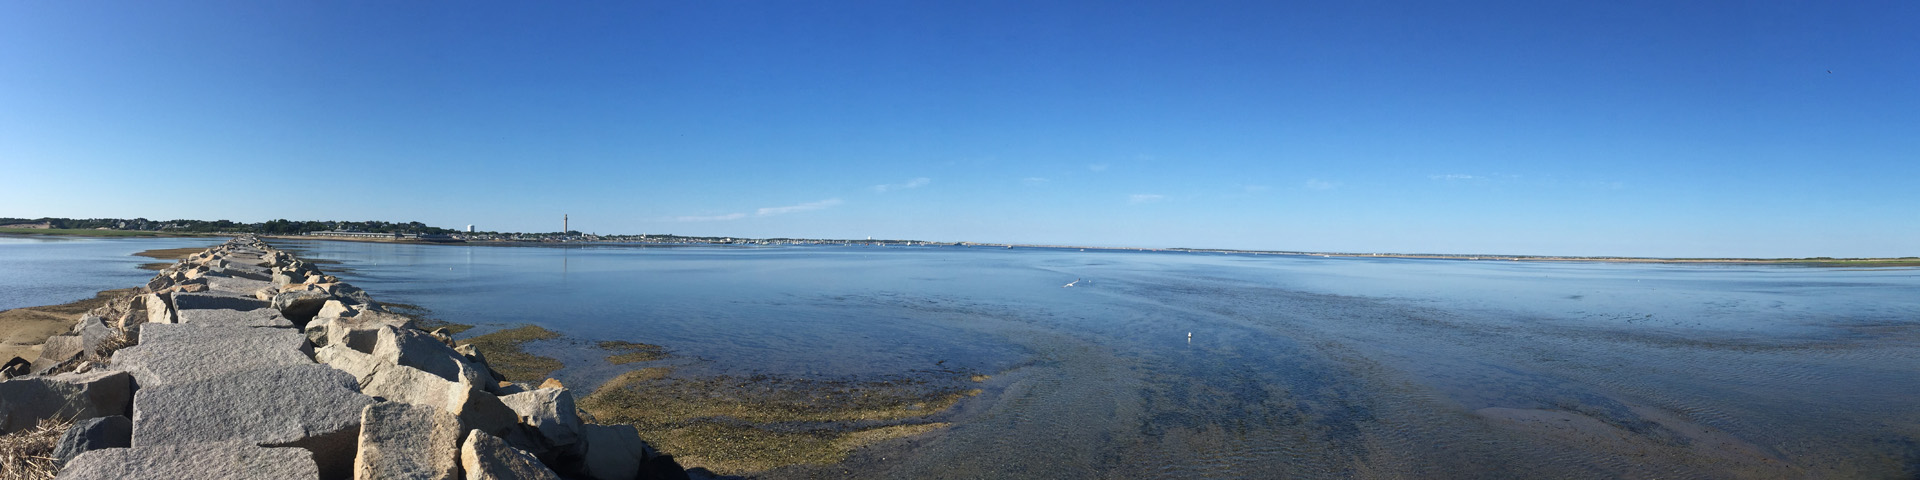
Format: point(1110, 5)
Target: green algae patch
point(740, 449)
point(503, 353)
point(630, 352)
point(738, 425)
point(771, 399)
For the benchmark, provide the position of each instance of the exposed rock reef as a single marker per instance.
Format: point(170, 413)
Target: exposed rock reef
point(243, 361)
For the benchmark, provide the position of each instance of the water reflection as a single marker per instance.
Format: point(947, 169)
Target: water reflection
point(1296, 367)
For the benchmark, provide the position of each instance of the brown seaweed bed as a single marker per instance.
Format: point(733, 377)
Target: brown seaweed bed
point(740, 424)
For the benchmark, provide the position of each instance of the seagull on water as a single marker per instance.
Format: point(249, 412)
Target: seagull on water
point(1069, 284)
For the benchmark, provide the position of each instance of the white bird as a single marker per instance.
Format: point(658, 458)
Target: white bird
point(1069, 284)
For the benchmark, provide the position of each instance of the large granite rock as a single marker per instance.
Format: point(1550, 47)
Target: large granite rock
point(94, 333)
point(94, 434)
point(237, 461)
point(245, 287)
point(549, 412)
point(194, 301)
point(159, 307)
point(360, 330)
point(609, 452)
point(307, 406)
point(59, 350)
point(264, 317)
point(73, 396)
point(300, 303)
point(485, 457)
point(239, 270)
point(414, 348)
point(186, 353)
point(475, 408)
point(401, 440)
point(337, 309)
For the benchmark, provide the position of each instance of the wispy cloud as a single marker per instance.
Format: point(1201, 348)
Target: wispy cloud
point(1098, 167)
point(1318, 184)
point(804, 207)
point(1453, 176)
point(914, 183)
point(764, 212)
point(709, 218)
point(1033, 181)
point(1140, 198)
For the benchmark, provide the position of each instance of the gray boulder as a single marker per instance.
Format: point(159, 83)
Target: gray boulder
point(475, 408)
point(417, 349)
point(239, 270)
point(337, 309)
point(235, 286)
point(197, 461)
point(186, 353)
point(300, 303)
point(549, 412)
point(75, 396)
point(485, 457)
point(307, 406)
point(94, 434)
point(159, 307)
point(159, 282)
point(263, 317)
point(94, 333)
point(198, 301)
point(610, 452)
point(400, 440)
point(59, 350)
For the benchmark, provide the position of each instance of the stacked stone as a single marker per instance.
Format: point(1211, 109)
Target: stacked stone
point(250, 363)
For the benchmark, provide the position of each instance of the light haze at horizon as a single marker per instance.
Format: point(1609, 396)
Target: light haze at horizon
point(1631, 129)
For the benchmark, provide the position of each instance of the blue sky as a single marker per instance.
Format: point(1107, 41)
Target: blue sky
point(1581, 128)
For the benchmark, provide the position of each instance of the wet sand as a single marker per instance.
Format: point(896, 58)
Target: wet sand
point(166, 254)
point(22, 330)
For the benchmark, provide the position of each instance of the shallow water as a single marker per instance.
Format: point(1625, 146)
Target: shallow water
point(1296, 366)
point(37, 270)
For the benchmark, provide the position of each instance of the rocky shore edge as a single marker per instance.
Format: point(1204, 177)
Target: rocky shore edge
point(242, 361)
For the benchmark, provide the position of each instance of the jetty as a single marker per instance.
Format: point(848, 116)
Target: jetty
point(243, 361)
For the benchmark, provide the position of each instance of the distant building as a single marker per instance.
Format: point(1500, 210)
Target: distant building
point(335, 233)
point(469, 228)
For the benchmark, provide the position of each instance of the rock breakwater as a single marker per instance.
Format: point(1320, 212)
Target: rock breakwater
point(243, 361)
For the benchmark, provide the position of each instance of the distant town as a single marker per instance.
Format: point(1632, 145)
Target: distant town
point(416, 232)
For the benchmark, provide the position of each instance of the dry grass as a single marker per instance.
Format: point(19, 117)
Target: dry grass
point(28, 454)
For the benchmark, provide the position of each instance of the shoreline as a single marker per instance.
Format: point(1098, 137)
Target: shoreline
point(345, 384)
point(1874, 262)
point(784, 423)
point(1880, 262)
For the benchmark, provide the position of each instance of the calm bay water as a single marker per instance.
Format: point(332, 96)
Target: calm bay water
point(38, 271)
point(1295, 367)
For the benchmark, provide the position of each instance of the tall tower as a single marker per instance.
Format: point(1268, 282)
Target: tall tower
point(563, 224)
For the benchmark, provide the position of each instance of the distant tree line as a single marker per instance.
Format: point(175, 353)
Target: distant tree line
point(272, 227)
